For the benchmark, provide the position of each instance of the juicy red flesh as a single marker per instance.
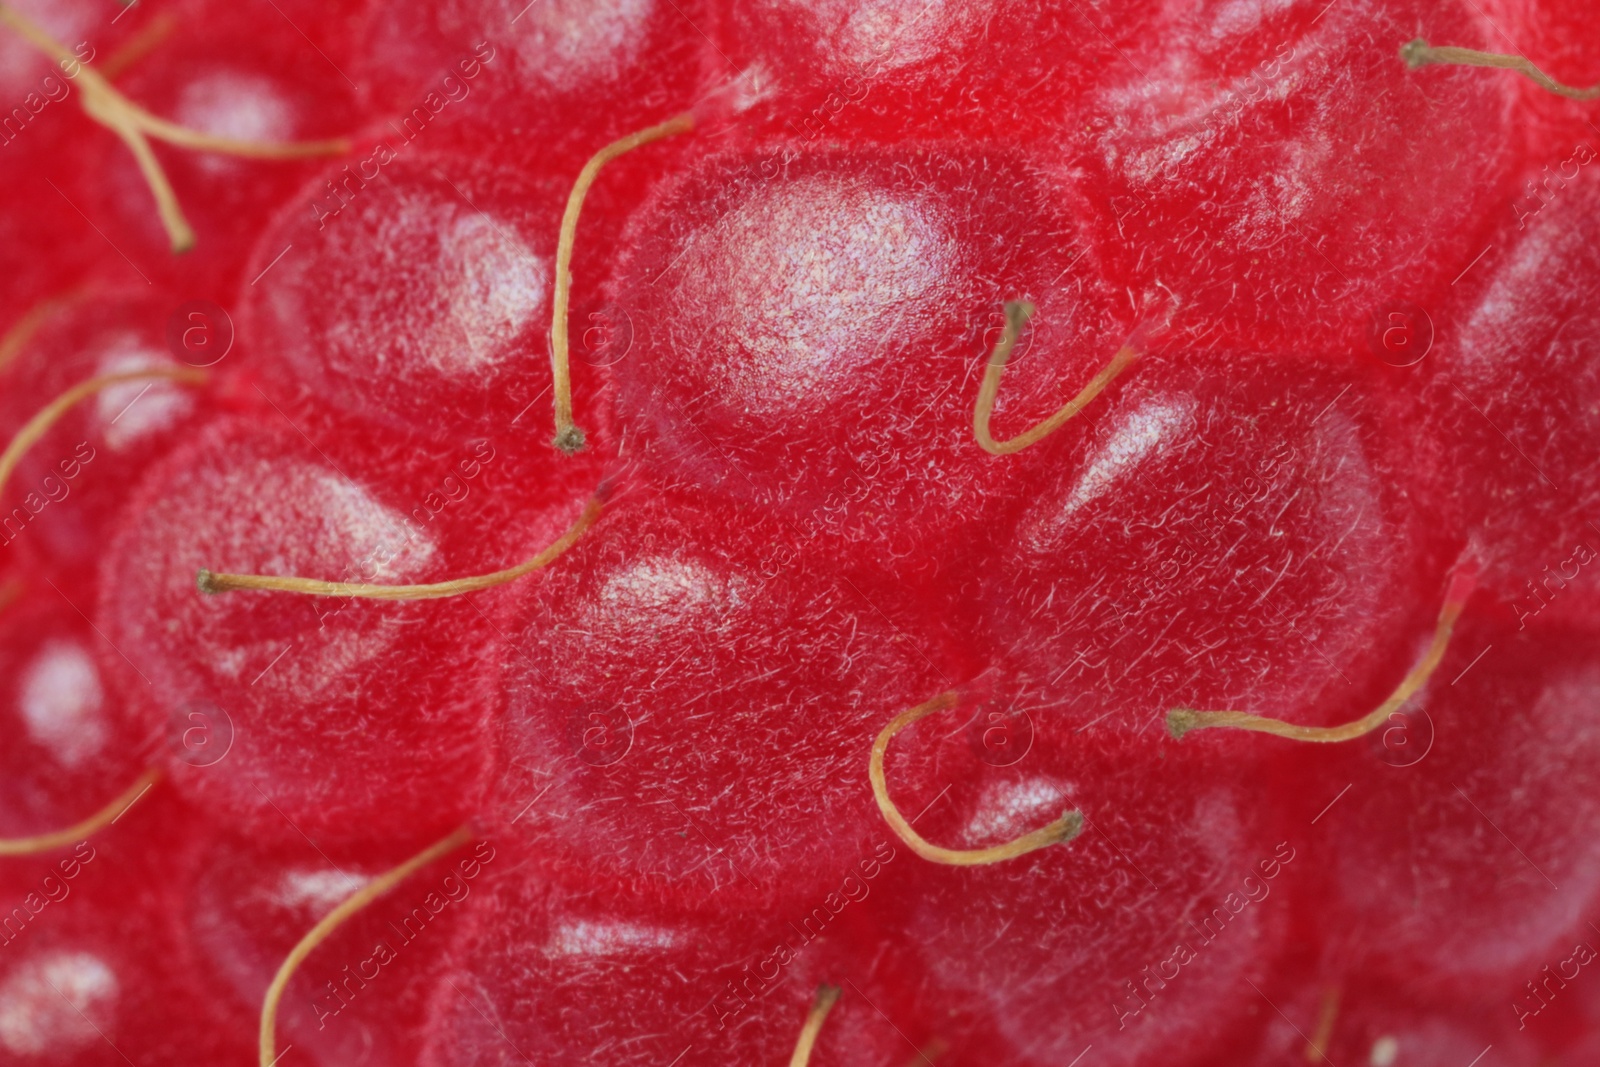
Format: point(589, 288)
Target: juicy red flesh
point(319, 747)
point(803, 336)
point(1130, 585)
point(1285, 179)
point(75, 483)
point(649, 644)
point(1362, 297)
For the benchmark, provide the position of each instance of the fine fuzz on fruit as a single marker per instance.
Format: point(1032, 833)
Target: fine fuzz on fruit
point(649, 533)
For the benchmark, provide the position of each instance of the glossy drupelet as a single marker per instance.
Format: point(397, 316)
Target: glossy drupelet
point(780, 322)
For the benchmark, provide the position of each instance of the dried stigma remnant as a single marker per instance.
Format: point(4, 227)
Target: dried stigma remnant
point(51, 413)
point(26, 438)
point(1322, 1036)
point(1063, 829)
point(1017, 315)
point(28, 325)
point(1420, 53)
point(136, 126)
point(827, 997)
point(569, 438)
point(351, 906)
point(1181, 721)
point(28, 846)
point(212, 582)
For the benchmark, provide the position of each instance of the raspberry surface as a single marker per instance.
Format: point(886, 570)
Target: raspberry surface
point(681, 532)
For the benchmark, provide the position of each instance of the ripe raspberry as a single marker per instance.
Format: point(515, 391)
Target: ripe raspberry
point(513, 74)
point(1447, 873)
point(1243, 534)
point(585, 975)
point(70, 744)
point(651, 674)
point(250, 78)
point(976, 426)
point(996, 69)
point(442, 270)
point(1527, 428)
point(94, 968)
point(1285, 178)
point(1133, 936)
point(74, 484)
point(348, 724)
point(247, 907)
point(806, 332)
point(1377, 1024)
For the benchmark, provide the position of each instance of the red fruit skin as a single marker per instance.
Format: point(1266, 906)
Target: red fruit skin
point(1559, 38)
point(92, 30)
point(248, 76)
point(67, 493)
point(1518, 395)
point(46, 250)
point(351, 720)
point(419, 302)
point(24, 66)
point(329, 28)
point(71, 746)
point(1309, 195)
point(879, 1017)
point(361, 996)
point(1000, 70)
point(565, 975)
point(1134, 937)
point(1375, 1022)
point(28, 277)
point(1237, 536)
point(518, 76)
point(809, 334)
point(96, 972)
point(1457, 861)
point(1287, 178)
point(668, 729)
point(1582, 1025)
